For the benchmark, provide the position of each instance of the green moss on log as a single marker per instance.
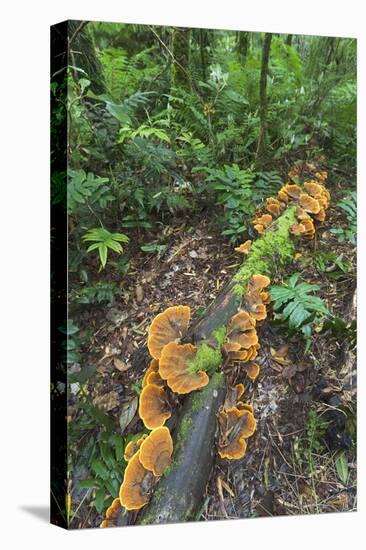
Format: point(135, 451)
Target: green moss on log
point(269, 253)
point(179, 491)
point(209, 357)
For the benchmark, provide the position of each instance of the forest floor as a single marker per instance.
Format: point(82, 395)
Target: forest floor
point(281, 473)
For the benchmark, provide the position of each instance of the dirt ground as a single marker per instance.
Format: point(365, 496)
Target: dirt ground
point(273, 478)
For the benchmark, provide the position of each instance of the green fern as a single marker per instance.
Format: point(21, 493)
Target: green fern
point(115, 63)
point(349, 206)
point(298, 306)
point(144, 132)
point(82, 187)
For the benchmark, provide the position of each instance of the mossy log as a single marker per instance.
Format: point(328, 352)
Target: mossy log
point(179, 492)
point(178, 495)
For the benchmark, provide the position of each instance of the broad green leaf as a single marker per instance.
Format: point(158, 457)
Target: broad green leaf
point(114, 245)
point(342, 467)
point(89, 483)
point(103, 254)
point(100, 468)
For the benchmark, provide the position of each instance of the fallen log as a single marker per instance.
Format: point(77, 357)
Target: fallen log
point(179, 492)
point(178, 495)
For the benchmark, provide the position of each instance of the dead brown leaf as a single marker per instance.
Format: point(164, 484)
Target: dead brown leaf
point(128, 411)
point(108, 401)
point(120, 365)
point(139, 293)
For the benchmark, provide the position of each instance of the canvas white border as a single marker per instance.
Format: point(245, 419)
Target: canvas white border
point(25, 264)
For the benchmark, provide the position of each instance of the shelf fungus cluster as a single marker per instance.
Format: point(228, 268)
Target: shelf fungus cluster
point(311, 200)
point(151, 457)
point(170, 372)
point(236, 424)
point(112, 513)
point(235, 418)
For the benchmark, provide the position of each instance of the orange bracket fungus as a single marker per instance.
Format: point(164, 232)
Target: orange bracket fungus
point(297, 229)
point(244, 248)
point(233, 395)
point(262, 222)
point(235, 427)
point(153, 367)
point(177, 368)
point(293, 191)
point(309, 204)
point(313, 188)
point(241, 330)
point(252, 370)
point(230, 347)
point(137, 484)
point(156, 451)
point(273, 206)
point(258, 282)
point(320, 216)
point(283, 196)
point(244, 407)
point(244, 355)
point(155, 378)
point(174, 368)
point(112, 514)
point(169, 326)
point(154, 408)
point(132, 447)
point(265, 297)
point(301, 214)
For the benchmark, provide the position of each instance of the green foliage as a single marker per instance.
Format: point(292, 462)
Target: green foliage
point(115, 64)
point(103, 241)
point(349, 206)
point(144, 131)
point(72, 344)
point(312, 444)
point(84, 189)
point(153, 248)
point(326, 261)
point(266, 184)
point(144, 151)
point(102, 456)
point(98, 293)
point(341, 463)
point(233, 191)
point(299, 308)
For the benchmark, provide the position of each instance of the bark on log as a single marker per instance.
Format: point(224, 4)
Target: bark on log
point(179, 492)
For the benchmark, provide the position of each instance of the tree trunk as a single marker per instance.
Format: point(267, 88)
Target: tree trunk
point(243, 46)
point(181, 53)
point(203, 34)
point(263, 101)
point(289, 40)
point(82, 55)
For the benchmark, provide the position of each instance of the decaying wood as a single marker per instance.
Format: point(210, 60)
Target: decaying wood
point(179, 492)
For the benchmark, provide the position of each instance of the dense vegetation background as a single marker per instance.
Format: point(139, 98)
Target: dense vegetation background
point(171, 128)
